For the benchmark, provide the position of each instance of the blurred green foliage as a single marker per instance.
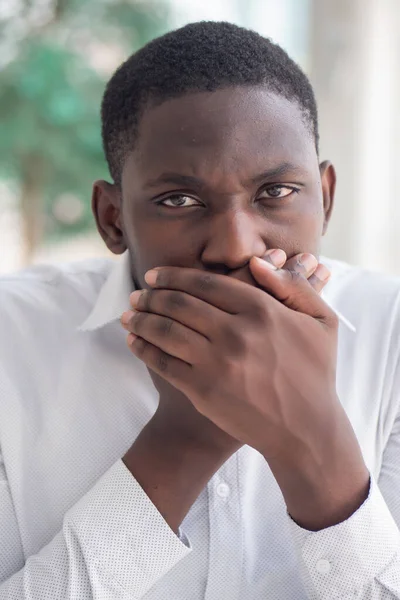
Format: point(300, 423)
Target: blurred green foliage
point(50, 93)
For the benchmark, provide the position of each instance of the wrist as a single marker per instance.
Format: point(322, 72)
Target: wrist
point(171, 469)
point(324, 486)
point(191, 431)
point(169, 457)
point(315, 504)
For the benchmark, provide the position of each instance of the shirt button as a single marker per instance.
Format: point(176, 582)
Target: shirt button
point(323, 566)
point(223, 490)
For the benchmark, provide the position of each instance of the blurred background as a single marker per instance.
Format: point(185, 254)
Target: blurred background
point(56, 56)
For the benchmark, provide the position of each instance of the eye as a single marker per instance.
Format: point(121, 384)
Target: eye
point(179, 201)
point(278, 191)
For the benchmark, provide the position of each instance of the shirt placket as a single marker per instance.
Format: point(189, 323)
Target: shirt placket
point(225, 534)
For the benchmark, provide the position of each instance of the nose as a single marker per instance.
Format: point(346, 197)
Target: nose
point(233, 238)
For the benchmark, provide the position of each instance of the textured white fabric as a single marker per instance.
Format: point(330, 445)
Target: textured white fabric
point(74, 523)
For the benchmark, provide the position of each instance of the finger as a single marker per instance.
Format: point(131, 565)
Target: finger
point(292, 289)
point(165, 333)
point(319, 278)
point(226, 293)
point(170, 368)
point(304, 264)
point(276, 257)
point(181, 307)
point(307, 265)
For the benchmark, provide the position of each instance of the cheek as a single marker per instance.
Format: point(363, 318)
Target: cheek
point(299, 231)
point(156, 244)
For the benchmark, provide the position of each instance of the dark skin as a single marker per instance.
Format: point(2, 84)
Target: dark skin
point(215, 183)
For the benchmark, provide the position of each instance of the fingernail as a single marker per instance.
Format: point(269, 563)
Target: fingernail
point(263, 262)
point(151, 277)
point(134, 298)
point(277, 257)
point(308, 261)
point(322, 272)
point(131, 338)
point(126, 317)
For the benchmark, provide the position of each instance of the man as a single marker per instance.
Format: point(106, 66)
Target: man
point(261, 458)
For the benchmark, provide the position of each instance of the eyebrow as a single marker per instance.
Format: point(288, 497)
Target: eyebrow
point(190, 180)
point(176, 179)
point(276, 172)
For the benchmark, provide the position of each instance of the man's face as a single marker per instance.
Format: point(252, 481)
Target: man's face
point(219, 177)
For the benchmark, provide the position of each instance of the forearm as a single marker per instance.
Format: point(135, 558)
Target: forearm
point(172, 470)
point(315, 504)
point(327, 485)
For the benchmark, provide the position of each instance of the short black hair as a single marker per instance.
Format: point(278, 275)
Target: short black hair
point(203, 56)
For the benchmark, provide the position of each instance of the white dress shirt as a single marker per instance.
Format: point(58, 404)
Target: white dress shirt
point(75, 524)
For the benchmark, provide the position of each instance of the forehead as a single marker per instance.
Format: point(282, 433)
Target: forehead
point(234, 129)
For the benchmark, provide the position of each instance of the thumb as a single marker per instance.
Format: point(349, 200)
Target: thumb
point(291, 288)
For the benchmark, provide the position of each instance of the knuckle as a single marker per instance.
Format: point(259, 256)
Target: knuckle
point(205, 282)
point(165, 326)
point(140, 346)
point(259, 311)
point(174, 300)
point(145, 300)
point(294, 264)
point(137, 322)
point(258, 308)
point(162, 362)
point(234, 341)
point(296, 278)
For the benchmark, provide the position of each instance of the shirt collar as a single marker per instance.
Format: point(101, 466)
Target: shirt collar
point(113, 298)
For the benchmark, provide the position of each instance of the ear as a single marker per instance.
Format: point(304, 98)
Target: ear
point(106, 207)
point(328, 183)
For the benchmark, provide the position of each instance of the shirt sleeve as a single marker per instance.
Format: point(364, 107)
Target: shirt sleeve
point(359, 558)
point(113, 544)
